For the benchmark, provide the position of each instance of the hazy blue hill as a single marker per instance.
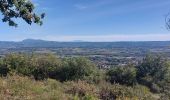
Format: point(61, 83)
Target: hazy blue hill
point(8, 44)
point(81, 44)
point(32, 41)
point(79, 41)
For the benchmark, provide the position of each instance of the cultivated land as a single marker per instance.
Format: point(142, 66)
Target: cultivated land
point(104, 54)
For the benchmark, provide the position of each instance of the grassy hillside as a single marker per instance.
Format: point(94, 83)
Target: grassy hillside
point(23, 88)
point(46, 77)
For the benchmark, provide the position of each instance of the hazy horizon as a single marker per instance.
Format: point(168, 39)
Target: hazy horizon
point(100, 38)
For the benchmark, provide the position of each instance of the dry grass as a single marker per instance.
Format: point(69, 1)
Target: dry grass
point(23, 88)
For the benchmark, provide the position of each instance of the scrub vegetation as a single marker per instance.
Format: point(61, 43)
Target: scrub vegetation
point(47, 77)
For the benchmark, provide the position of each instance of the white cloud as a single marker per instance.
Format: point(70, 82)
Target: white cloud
point(91, 38)
point(110, 38)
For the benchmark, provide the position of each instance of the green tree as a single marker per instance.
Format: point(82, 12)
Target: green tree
point(24, 9)
point(125, 75)
point(154, 71)
point(44, 66)
point(18, 63)
point(76, 68)
point(39, 66)
point(3, 69)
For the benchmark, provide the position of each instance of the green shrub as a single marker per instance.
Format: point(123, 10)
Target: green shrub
point(152, 66)
point(154, 72)
point(77, 68)
point(82, 89)
point(123, 75)
point(44, 66)
point(18, 63)
point(89, 97)
point(24, 88)
point(3, 69)
point(122, 92)
point(39, 66)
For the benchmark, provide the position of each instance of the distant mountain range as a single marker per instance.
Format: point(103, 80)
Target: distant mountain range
point(82, 44)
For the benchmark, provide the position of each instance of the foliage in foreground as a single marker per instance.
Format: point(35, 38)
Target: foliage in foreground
point(80, 79)
point(24, 9)
point(125, 75)
point(49, 66)
point(24, 88)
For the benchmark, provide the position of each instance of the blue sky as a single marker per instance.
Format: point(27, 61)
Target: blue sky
point(95, 20)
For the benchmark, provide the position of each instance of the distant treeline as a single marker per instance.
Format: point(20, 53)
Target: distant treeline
point(53, 44)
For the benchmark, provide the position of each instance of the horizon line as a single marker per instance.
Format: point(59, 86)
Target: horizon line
point(80, 41)
point(93, 38)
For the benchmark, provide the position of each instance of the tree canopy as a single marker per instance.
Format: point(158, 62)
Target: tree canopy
point(24, 9)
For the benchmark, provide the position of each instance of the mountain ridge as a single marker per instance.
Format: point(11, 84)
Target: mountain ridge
point(81, 44)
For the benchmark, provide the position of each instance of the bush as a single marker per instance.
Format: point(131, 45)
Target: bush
point(81, 89)
point(153, 72)
point(125, 75)
point(18, 63)
point(85, 77)
point(77, 69)
point(3, 69)
point(23, 88)
point(121, 92)
point(152, 66)
point(44, 66)
point(39, 66)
